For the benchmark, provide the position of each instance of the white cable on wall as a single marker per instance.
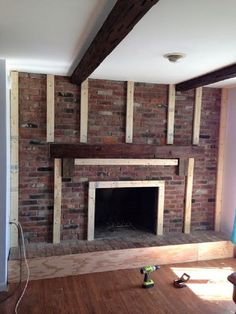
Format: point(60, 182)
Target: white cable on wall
point(26, 263)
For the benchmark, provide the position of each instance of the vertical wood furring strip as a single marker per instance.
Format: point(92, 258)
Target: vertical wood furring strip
point(14, 116)
point(91, 212)
point(221, 154)
point(50, 108)
point(171, 114)
point(197, 115)
point(188, 196)
point(57, 201)
point(84, 112)
point(160, 210)
point(129, 112)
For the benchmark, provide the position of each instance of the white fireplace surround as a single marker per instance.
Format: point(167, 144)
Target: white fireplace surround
point(160, 185)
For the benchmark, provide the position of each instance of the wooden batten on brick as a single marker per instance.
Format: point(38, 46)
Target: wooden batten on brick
point(14, 99)
point(197, 115)
point(160, 208)
point(125, 162)
point(91, 211)
point(50, 108)
point(84, 112)
point(57, 201)
point(171, 115)
point(221, 153)
point(188, 196)
point(129, 112)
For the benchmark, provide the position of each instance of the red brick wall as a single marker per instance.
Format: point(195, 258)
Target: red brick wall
point(107, 101)
point(36, 169)
point(106, 112)
point(150, 105)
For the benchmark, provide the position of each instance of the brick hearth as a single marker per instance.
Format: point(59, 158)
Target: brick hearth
point(126, 240)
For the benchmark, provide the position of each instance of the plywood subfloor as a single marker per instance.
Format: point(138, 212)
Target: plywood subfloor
point(120, 292)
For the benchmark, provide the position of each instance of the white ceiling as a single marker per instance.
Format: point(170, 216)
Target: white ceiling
point(49, 36)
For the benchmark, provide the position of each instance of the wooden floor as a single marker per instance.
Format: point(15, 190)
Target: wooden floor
point(120, 292)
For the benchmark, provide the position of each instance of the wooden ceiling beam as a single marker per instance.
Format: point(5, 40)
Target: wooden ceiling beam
point(121, 20)
point(209, 78)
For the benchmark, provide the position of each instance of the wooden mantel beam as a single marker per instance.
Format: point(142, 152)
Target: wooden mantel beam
point(121, 20)
point(122, 151)
point(209, 78)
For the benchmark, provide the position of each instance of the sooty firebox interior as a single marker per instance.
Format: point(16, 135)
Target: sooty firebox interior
point(125, 208)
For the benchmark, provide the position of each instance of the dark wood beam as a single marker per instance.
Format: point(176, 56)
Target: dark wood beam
point(121, 20)
point(123, 151)
point(67, 167)
point(209, 78)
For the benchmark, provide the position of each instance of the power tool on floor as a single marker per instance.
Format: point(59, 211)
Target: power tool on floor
point(180, 282)
point(146, 270)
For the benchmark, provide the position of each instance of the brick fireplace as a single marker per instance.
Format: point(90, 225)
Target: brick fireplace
point(106, 126)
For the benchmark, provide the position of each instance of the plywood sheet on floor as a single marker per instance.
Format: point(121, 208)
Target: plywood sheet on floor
point(67, 265)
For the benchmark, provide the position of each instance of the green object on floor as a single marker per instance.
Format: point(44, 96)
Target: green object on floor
point(233, 236)
point(146, 270)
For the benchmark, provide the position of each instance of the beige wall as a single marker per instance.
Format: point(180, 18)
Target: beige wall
point(229, 182)
point(3, 177)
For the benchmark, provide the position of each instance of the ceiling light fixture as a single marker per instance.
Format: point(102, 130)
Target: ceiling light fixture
point(174, 56)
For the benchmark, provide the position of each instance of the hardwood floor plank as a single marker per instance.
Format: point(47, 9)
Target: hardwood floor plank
point(120, 292)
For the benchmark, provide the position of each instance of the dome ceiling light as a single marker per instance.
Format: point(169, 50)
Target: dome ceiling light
point(174, 56)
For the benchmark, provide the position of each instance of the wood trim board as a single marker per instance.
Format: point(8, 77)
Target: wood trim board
point(91, 212)
point(14, 117)
point(50, 107)
point(124, 184)
point(188, 196)
point(84, 112)
point(197, 115)
point(171, 115)
point(124, 162)
point(221, 154)
point(160, 208)
point(57, 201)
point(129, 112)
point(84, 263)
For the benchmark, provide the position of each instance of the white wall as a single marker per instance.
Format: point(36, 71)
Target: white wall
point(3, 178)
point(229, 181)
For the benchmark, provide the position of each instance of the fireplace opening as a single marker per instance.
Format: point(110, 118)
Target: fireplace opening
point(118, 210)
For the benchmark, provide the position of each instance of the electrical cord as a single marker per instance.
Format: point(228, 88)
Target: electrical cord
point(20, 256)
point(27, 267)
point(22, 248)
